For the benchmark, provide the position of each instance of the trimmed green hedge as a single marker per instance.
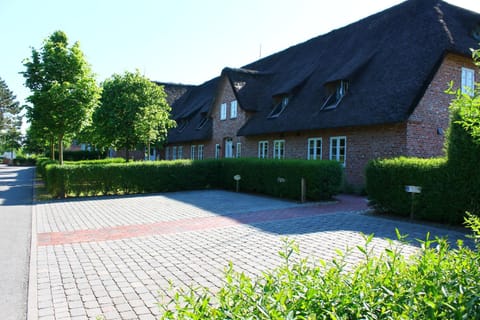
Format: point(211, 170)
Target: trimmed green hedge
point(279, 178)
point(24, 161)
point(386, 181)
point(42, 164)
point(80, 155)
point(283, 178)
point(450, 186)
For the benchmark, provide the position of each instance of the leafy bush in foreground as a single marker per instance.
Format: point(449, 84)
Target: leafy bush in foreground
point(437, 283)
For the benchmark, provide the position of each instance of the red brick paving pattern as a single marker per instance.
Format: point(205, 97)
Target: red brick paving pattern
point(344, 204)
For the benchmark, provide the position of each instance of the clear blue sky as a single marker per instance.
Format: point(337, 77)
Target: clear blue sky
point(182, 41)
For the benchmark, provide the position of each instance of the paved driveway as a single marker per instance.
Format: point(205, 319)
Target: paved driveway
point(115, 256)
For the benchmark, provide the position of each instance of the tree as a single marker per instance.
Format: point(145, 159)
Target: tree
point(64, 91)
point(133, 110)
point(10, 118)
point(467, 106)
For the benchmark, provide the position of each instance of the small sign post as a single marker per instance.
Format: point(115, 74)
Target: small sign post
point(237, 179)
point(413, 190)
point(303, 190)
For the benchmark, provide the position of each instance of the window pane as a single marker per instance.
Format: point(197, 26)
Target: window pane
point(233, 109)
point(192, 152)
point(223, 111)
point(239, 150)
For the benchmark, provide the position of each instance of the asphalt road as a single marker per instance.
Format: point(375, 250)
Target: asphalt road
point(16, 189)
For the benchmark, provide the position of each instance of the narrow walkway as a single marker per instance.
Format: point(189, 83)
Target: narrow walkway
point(15, 232)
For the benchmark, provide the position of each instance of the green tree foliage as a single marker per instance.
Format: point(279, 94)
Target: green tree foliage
point(133, 110)
point(10, 119)
point(35, 140)
point(63, 87)
point(468, 107)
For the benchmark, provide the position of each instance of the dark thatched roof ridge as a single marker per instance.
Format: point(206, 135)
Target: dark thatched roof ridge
point(388, 59)
point(190, 111)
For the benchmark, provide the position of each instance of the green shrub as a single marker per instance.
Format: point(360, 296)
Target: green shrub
point(323, 178)
point(24, 161)
point(42, 164)
point(80, 155)
point(438, 283)
point(463, 178)
point(282, 178)
point(386, 181)
point(99, 161)
point(450, 186)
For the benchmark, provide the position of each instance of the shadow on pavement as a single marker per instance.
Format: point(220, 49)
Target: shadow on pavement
point(16, 185)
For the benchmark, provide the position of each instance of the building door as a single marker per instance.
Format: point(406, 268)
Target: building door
point(228, 148)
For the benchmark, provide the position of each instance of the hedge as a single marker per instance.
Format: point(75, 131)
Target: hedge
point(450, 186)
point(24, 161)
point(386, 181)
point(80, 155)
point(283, 178)
point(279, 178)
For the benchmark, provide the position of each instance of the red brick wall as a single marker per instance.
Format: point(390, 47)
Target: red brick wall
point(428, 124)
point(228, 128)
point(363, 144)
point(417, 137)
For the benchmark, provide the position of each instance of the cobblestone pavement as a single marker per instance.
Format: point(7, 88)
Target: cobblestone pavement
point(116, 256)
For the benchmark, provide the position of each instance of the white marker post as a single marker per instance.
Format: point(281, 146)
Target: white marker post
point(237, 179)
point(412, 190)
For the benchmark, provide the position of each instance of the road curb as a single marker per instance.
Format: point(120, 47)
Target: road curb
point(32, 306)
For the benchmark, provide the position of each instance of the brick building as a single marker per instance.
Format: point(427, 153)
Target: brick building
point(372, 89)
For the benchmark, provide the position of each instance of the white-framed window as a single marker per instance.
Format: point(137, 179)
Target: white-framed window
point(279, 149)
point(233, 109)
point(228, 148)
point(180, 152)
point(167, 153)
point(238, 150)
point(279, 107)
point(192, 152)
point(223, 111)
point(217, 151)
point(314, 151)
point(337, 91)
point(468, 81)
point(338, 149)
point(174, 153)
point(200, 152)
point(263, 149)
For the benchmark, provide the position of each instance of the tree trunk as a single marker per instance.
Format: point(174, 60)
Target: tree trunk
point(127, 154)
point(52, 148)
point(148, 151)
point(60, 149)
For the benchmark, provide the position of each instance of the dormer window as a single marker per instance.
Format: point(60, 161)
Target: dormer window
point(336, 91)
point(279, 107)
point(239, 85)
point(476, 32)
point(202, 122)
point(182, 125)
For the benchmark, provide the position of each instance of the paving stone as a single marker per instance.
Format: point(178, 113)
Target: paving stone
point(184, 239)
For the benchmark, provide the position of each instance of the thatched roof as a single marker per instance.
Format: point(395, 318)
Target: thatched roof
point(388, 60)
